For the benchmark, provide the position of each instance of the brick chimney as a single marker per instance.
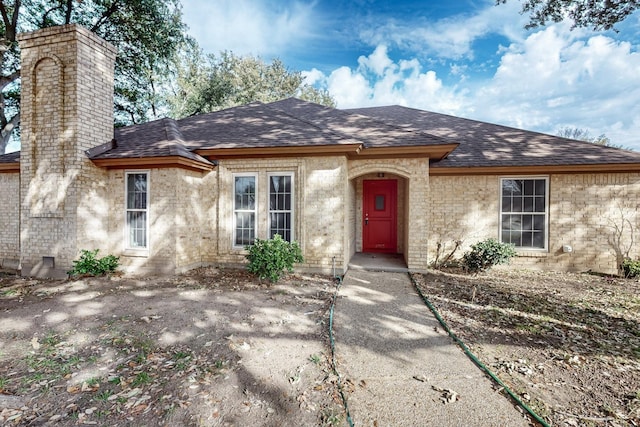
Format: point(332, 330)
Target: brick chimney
point(66, 109)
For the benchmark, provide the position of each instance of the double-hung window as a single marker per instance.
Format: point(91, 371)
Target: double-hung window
point(137, 210)
point(244, 209)
point(281, 206)
point(524, 211)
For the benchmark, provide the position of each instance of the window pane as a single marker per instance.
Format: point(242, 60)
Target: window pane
point(280, 204)
point(538, 239)
point(379, 202)
point(137, 226)
point(516, 205)
point(538, 222)
point(523, 212)
point(506, 204)
point(137, 191)
point(245, 228)
point(515, 223)
point(281, 224)
point(528, 204)
point(528, 187)
point(245, 192)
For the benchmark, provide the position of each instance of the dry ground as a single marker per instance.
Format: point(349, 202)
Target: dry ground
point(212, 347)
point(215, 347)
point(568, 344)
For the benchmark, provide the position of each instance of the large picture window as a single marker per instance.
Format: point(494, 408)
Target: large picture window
point(281, 206)
point(523, 212)
point(244, 209)
point(137, 203)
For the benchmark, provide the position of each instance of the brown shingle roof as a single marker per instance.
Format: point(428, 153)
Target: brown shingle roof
point(489, 145)
point(10, 157)
point(291, 123)
point(294, 124)
point(160, 138)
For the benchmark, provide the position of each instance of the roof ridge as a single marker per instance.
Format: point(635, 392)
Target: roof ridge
point(173, 136)
point(321, 129)
point(403, 128)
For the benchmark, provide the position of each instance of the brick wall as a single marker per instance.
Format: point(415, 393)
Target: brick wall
point(9, 219)
point(584, 212)
point(66, 108)
point(320, 210)
point(190, 219)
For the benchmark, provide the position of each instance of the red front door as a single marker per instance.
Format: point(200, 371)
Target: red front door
point(379, 215)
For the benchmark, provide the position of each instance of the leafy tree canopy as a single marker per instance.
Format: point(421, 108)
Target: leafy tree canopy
point(595, 14)
point(146, 33)
point(208, 83)
point(584, 135)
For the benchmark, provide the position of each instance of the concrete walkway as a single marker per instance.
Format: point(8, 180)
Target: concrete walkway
point(385, 338)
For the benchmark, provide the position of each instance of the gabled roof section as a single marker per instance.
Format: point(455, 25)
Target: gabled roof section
point(490, 148)
point(259, 129)
point(296, 127)
point(10, 163)
point(154, 144)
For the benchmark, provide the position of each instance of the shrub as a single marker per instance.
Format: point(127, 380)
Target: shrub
point(90, 265)
point(268, 259)
point(631, 268)
point(486, 254)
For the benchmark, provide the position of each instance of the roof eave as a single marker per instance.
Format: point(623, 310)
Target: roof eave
point(280, 151)
point(435, 152)
point(535, 169)
point(13, 167)
point(154, 162)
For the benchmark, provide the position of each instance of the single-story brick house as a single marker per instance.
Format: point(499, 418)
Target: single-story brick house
point(171, 195)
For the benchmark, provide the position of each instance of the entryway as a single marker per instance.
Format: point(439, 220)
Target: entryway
point(378, 262)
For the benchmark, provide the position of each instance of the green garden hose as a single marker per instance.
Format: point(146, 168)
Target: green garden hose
point(475, 359)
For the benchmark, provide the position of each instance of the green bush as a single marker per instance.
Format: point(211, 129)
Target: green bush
point(268, 259)
point(486, 254)
point(631, 268)
point(90, 265)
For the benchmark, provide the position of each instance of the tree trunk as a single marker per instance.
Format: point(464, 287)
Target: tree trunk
point(5, 133)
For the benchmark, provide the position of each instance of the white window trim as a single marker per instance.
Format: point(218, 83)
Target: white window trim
point(546, 211)
point(128, 250)
point(233, 206)
point(293, 199)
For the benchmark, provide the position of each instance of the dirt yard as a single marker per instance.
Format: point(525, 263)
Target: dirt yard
point(209, 348)
point(568, 344)
point(217, 348)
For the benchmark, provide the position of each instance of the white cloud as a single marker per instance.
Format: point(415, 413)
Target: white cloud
point(350, 88)
point(451, 37)
point(249, 27)
point(379, 81)
point(554, 78)
point(314, 76)
point(557, 78)
point(378, 61)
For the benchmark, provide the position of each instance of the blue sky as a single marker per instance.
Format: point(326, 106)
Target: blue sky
point(468, 58)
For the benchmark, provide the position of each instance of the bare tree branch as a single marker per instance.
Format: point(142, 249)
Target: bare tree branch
point(8, 79)
point(105, 16)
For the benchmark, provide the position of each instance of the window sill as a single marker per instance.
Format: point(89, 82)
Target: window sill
point(533, 253)
point(139, 253)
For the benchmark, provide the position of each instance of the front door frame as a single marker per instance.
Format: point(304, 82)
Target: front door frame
point(388, 217)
